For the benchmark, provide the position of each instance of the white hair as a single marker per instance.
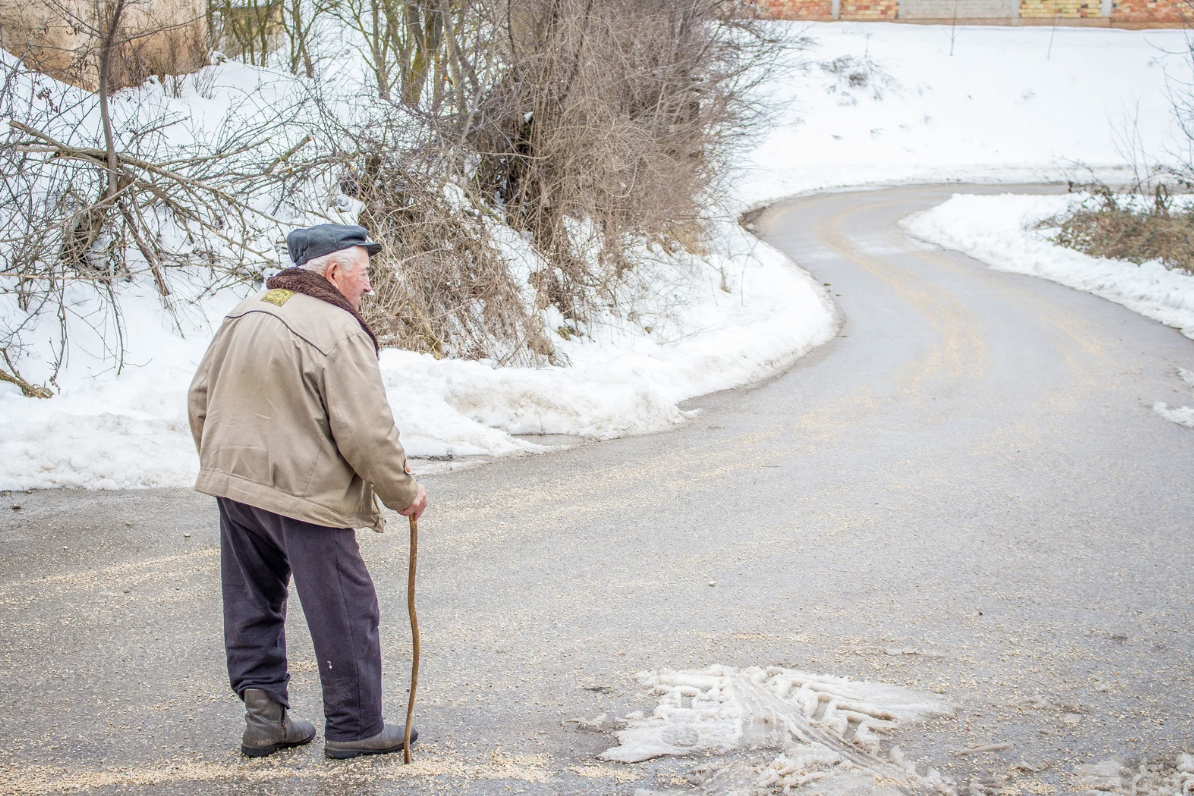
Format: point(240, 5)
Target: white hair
point(320, 265)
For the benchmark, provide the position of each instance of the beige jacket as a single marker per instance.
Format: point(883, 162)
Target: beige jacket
point(289, 414)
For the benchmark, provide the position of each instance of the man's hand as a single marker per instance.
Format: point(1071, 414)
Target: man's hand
point(417, 506)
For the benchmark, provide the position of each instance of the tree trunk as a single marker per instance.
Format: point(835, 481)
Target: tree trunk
point(377, 45)
point(107, 44)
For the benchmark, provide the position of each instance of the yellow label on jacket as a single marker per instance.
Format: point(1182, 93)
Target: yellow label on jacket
point(277, 296)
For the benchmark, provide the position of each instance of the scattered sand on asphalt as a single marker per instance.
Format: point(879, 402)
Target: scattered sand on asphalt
point(133, 573)
point(619, 775)
point(40, 780)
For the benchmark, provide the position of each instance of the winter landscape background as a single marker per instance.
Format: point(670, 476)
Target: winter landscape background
point(857, 105)
point(937, 541)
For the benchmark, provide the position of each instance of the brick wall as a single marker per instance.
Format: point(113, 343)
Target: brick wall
point(1123, 12)
point(960, 9)
point(869, 9)
point(1147, 11)
point(821, 10)
point(1061, 9)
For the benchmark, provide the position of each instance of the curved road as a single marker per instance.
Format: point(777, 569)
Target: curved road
point(965, 492)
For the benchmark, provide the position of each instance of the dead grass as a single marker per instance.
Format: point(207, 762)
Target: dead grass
point(1108, 225)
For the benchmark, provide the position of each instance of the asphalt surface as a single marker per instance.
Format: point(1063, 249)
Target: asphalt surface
point(965, 492)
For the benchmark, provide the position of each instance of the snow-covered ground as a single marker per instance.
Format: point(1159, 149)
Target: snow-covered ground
point(1003, 232)
point(1010, 104)
point(1004, 106)
point(111, 432)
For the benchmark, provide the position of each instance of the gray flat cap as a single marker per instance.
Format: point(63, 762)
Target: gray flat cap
point(311, 242)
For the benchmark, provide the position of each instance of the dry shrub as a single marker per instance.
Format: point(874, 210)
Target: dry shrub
point(856, 74)
point(1107, 226)
point(440, 284)
point(83, 211)
point(610, 127)
point(592, 128)
point(246, 29)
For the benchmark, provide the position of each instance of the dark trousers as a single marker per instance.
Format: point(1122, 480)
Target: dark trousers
point(258, 552)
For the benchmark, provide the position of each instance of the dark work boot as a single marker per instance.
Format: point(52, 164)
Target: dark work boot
point(270, 727)
point(390, 739)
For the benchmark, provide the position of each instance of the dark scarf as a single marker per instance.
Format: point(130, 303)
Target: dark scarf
point(309, 283)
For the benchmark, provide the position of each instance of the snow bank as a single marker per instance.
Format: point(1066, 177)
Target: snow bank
point(1000, 231)
point(622, 381)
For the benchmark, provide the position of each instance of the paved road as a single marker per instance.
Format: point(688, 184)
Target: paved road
point(970, 470)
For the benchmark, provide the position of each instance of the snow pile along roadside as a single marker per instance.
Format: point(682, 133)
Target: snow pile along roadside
point(115, 431)
point(682, 325)
point(1001, 231)
point(622, 379)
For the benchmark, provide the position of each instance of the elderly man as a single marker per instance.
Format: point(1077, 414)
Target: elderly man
point(297, 442)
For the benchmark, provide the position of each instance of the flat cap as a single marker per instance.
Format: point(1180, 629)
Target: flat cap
point(311, 242)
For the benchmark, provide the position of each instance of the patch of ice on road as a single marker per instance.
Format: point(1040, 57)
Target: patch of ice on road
point(1182, 415)
point(827, 729)
point(1001, 232)
point(1172, 777)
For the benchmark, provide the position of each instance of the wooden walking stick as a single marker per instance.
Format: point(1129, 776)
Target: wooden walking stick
point(414, 632)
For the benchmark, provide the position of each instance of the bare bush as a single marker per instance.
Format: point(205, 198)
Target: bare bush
point(611, 125)
point(87, 206)
point(857, 74)
point(593, 130)
point(1114, 225)
point(1146, 219)
point(443, 285)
